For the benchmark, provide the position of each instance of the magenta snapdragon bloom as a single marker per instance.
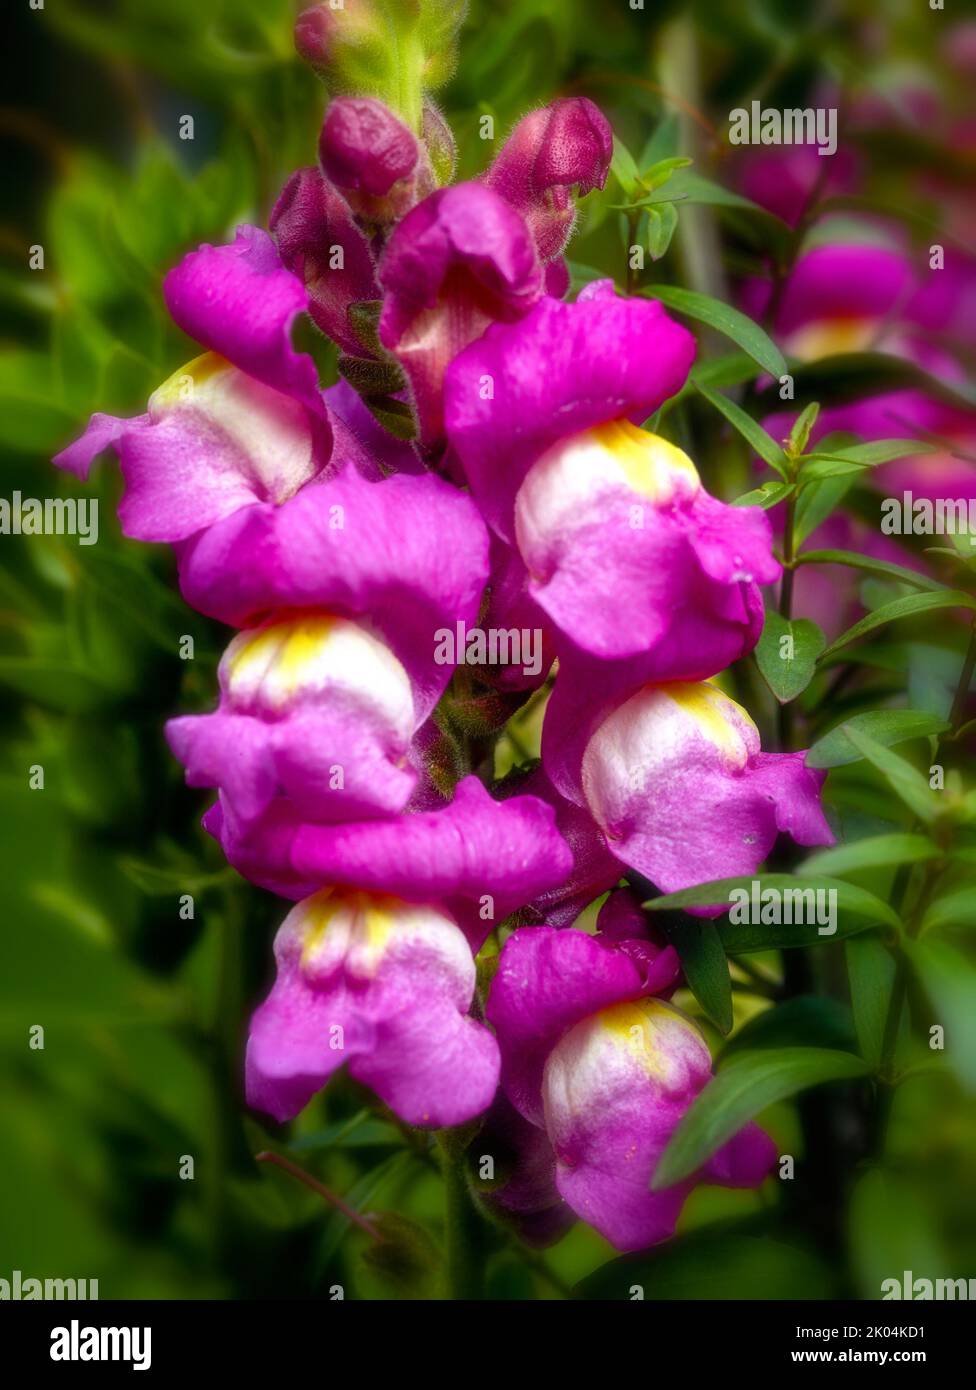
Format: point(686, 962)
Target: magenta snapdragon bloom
point(385, 987)
point(458, 261)
point(565, 145)
point(373, 159)
point(784, 179)
point(321, 699)
point(243, 424)
point(679, 786)
point(320, 241)
point(591, 1055)
point(612, 522)
point(858, 297)
point(482, 858)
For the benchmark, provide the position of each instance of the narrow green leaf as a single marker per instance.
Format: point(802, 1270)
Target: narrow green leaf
point(786, 654)
point(815, 504)
point(956, 909)
point(747, 1085)
point(662, 223)
point(699, 944)
point(850, 899)
point(766, 496)
point(809, 1020)
point(883, 568)
point(875, 852)
point(764, 444)
point(880, 451)
point(903, 779)
point(724, 319)
point(885, 726)
point(949, 979)
point(805, 421)
point(871, 974)
point(908, 607)
point(624, 168)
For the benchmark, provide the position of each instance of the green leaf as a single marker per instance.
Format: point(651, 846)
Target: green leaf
point(880, 451)
point(805, 421)
point(875, 852)
point(661, 170)
point(809, 1020)
point(749, 936)
point(764, 444)
point(883, 568)
point(623, 167)
point(787, 652)
point(724, 319)
point(908, 607)
point(727, 1262)
point(748, 1084)
point(662, 141)
point(766, 496)
point(949, 979)
point(871, 974)
point(699, 945)
point(815, 504)
point(885, 726)
point(903, 779)
point(662, 223)
point(956, 909)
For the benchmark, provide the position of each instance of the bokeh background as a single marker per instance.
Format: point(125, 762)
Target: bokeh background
point(144, 1008)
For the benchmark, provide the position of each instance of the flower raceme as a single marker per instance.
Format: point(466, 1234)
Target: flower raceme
point(339, 551)
point(595, 1058)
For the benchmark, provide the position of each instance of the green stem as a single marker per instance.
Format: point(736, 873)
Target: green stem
point(887, 1078)
point(462, 1230)
point(784, 715)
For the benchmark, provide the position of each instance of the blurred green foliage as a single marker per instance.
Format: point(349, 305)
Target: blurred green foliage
point(144, 1008)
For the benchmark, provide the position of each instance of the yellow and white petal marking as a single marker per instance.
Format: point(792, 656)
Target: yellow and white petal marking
point(644, 742)
point(831, 337)
point(604, 1053)
point(310, 655)
point(359, 931)
point(267, 433)
point(561, 484)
